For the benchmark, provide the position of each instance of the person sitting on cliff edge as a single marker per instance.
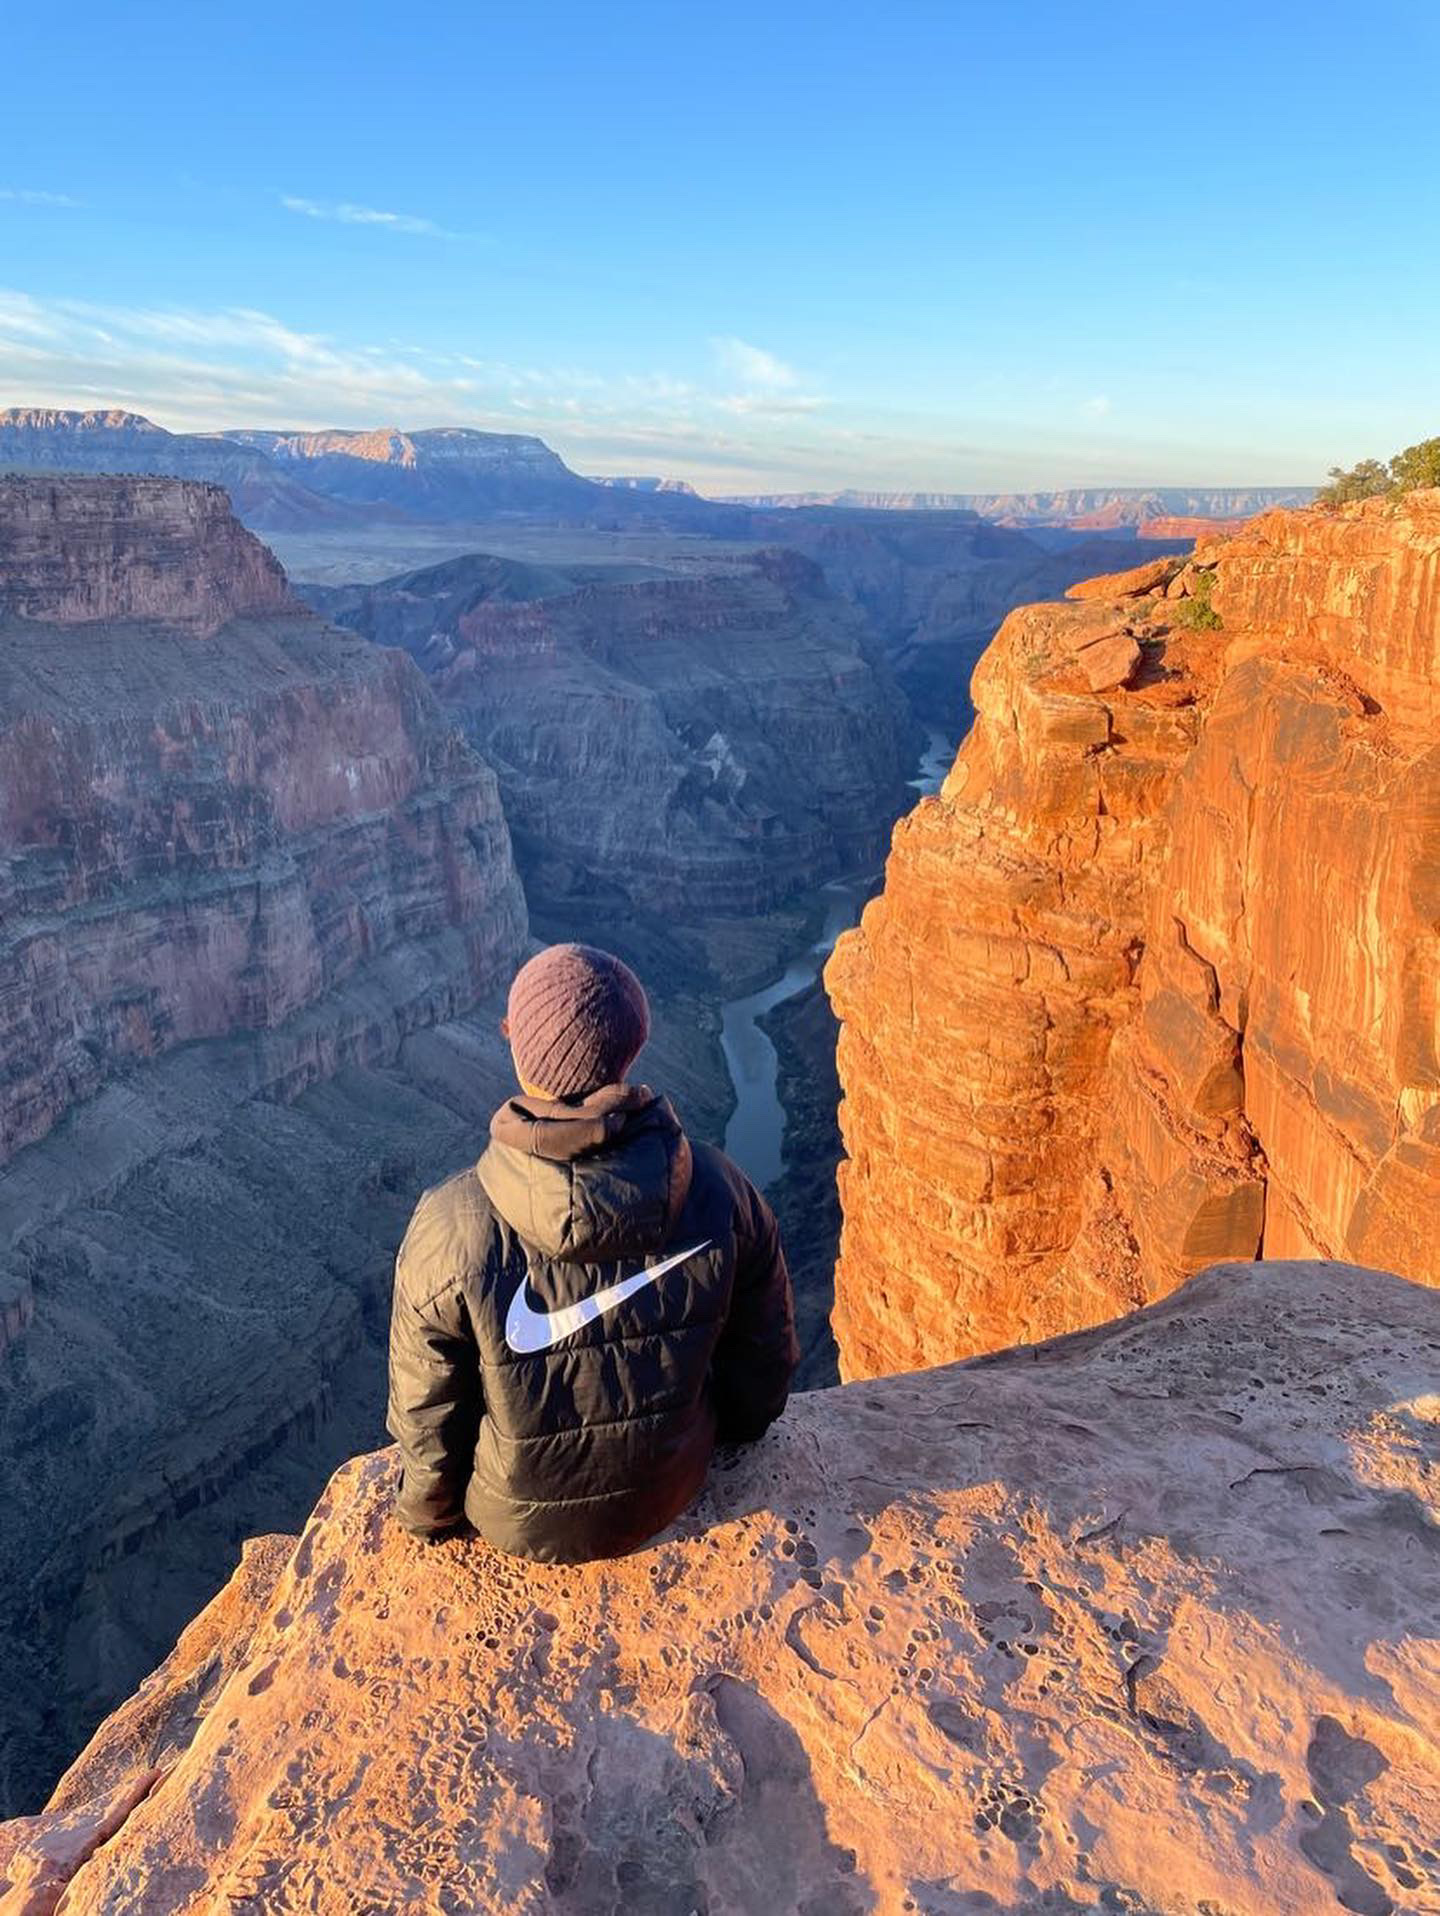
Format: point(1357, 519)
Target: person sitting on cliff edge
point(582, 1315)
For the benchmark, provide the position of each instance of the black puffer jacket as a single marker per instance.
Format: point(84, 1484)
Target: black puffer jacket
point(576, 1320)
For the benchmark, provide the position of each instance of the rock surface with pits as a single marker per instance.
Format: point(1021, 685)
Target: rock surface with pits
point(1143, 1619)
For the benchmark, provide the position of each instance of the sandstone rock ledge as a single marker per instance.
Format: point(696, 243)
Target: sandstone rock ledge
point(1143, 1619)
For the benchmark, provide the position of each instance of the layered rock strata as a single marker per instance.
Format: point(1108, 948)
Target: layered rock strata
point(247, 870)
point(1156, 978)
point(982, 1638)
point(72, 552)
point(205, 830)
point(703, 745)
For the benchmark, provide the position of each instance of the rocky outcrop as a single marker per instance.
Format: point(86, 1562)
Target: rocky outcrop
point(139, 550)
point(700, 745)
point(246, 869)
point(1154, 979)
point(982, 1638)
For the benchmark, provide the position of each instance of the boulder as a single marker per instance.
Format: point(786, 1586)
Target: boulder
point(1110, 662)
point(1154, 574)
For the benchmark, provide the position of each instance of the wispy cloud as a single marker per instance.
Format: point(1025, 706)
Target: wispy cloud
point(32, 196)
point(768, 386)
point(752, 366)
point(1097, 407)
point(347, 213)
point(770, 405)
point(196, 369)
point(202, 369)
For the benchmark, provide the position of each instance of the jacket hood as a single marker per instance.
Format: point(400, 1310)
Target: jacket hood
point(590, 1179)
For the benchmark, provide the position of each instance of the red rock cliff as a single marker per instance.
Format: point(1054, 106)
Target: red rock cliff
point(1156, 978)
point(74, 549)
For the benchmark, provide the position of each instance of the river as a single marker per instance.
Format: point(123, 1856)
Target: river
point(755, 1135)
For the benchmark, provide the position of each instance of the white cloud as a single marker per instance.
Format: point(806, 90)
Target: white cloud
point(347, 213)
point(1097, 407)
point(770, 405)
point(202, 369)
point(752, 366)
point(30, 196)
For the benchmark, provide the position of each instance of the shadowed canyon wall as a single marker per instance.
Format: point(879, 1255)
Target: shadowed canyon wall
point(250, 878)
point(1155, 979)
point(702, 746)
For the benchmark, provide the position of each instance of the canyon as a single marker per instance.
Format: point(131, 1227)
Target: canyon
point(258, 907)
point(1140, 1619)
point(695, 747)
point(1151, 992)
point(1155, 978)
point(360, 507)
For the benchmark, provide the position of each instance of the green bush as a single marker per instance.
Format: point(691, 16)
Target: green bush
point(1417, 466)
point(1197, 611)
point(1364, 481)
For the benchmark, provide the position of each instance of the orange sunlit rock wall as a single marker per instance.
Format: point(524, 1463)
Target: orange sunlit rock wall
point(1155, 979)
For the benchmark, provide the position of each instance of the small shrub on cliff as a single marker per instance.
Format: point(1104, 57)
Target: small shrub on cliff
point(1417, 466)
point(1197, 611)
point(1364, 481)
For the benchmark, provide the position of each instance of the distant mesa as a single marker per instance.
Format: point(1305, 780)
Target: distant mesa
point(1084, 508)
point(449, 472)
point(290, 481)
point(651, 485)
point(40, 439)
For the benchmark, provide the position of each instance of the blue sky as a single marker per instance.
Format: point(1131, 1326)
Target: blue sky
point(916, 244)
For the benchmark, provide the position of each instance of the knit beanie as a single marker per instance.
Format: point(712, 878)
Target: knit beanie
point(577, 1019)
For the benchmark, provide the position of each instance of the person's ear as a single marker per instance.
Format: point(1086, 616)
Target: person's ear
point(504, 1027)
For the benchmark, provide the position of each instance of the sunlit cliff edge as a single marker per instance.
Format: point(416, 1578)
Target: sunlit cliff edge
point(1138, 1620)
point(1155, 979)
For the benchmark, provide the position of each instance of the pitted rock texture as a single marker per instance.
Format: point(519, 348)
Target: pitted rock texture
point(1156, 978)
point(701, 745)
point(76, 550)
point(1140, 1620)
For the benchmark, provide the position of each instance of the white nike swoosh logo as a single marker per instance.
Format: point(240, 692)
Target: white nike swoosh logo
point(528, 1330)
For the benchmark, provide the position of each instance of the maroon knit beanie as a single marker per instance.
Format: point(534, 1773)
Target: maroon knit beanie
point(576, 1019)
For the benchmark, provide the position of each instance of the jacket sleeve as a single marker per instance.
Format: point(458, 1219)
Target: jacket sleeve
point(757, 1353)
point(436, 1401)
